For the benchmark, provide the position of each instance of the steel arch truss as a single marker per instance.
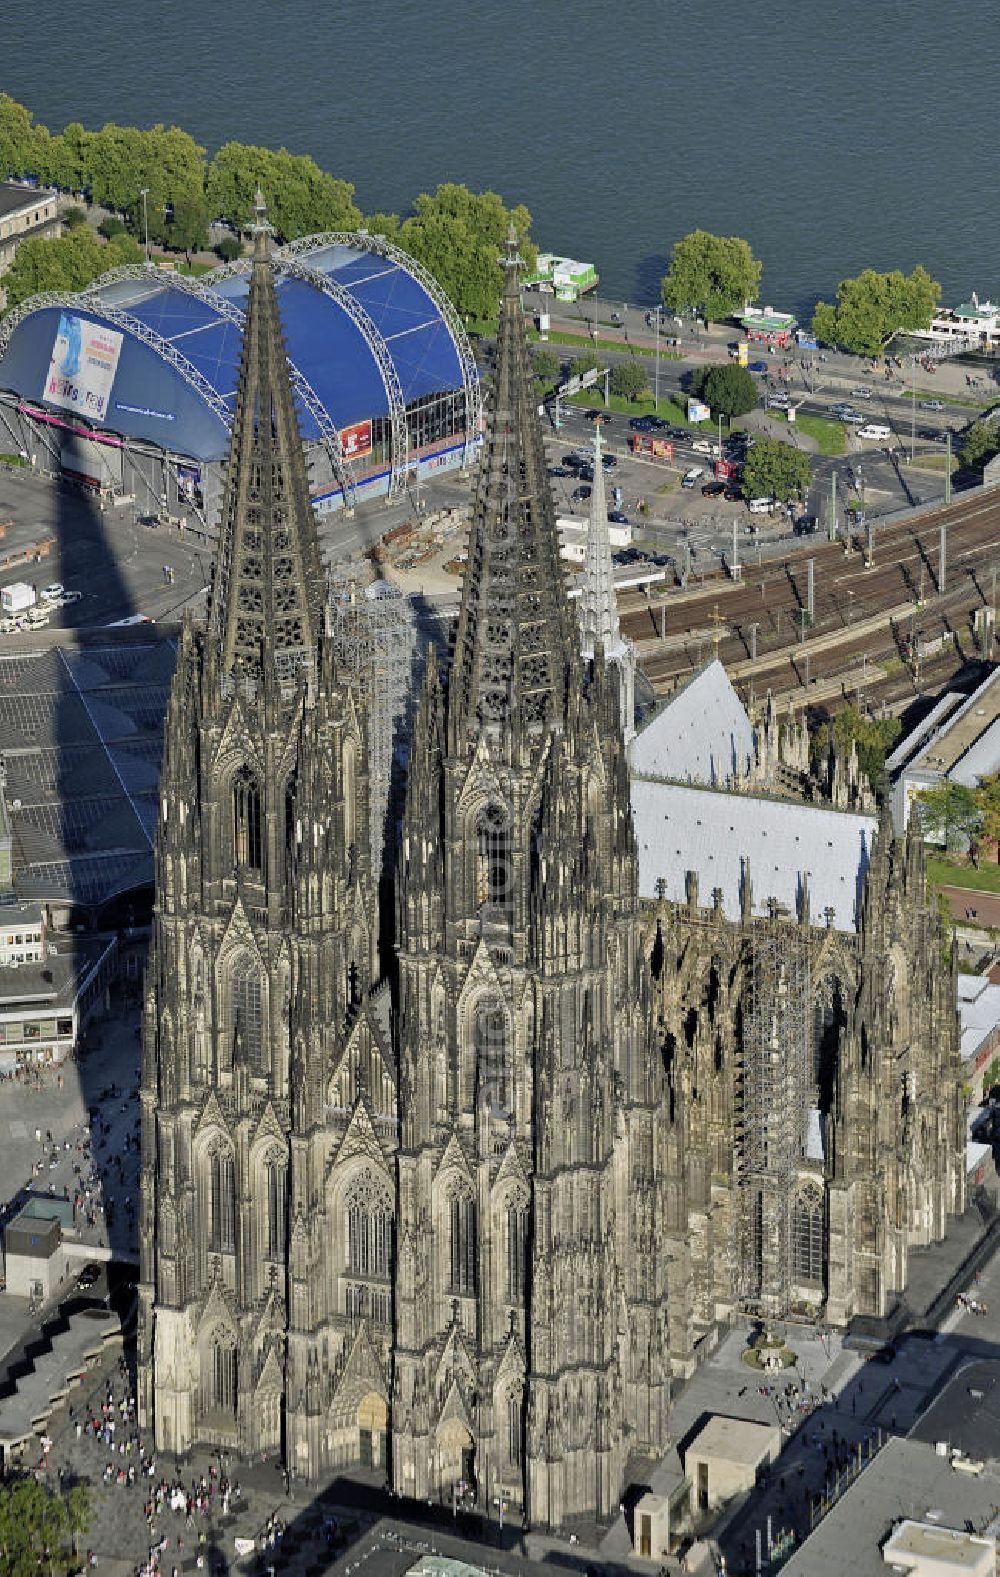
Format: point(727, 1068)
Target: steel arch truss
point(362, 240)
point(380, 351)
point(224, 308)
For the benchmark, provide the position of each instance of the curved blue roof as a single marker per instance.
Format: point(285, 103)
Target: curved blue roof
point(344, 309)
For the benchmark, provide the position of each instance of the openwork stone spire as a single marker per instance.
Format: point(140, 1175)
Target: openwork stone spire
point(599, 626)
point(267, 593)
point(515, 644)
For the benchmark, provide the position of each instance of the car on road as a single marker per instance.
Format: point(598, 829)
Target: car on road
point(88, 1276)
point(680, 434)
point(581, 492)
point(758, 366)
point(861, 393)
point(932, 405)
point(152, 521)
point(641, 424)
point(704, 446)
point(778, 402)
point(660, 424)
point(853, 418)
point(69, 597)
point(713, 489)
point(930, 435)
point(54, 592)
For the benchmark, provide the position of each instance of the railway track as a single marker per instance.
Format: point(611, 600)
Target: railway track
point(873, 617)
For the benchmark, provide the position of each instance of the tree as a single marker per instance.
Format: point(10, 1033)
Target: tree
point(585, 362)
point(73, 217)
point(38, 1529)
point(301, 198)
point(981, 441)
point(187, 230)
point(20, 139)
point(383, 224)
point(545, 364)
point(872, 737)
point(68, 262)
point(872, 307)
point(165, 160)
point(730, 390)
point(628, 380)
point(988, 800)
point(229, 249)
point(775, 469)
point(459, 236)
point(952, 815)
point(715, 274)
point(110, 226)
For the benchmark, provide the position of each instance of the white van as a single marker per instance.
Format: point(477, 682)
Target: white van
point(877, 430)
point(761, 506)
point(694, 476)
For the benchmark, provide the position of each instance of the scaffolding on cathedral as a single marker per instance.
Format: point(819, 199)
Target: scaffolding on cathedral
point(374, 637)
point(773, 1109)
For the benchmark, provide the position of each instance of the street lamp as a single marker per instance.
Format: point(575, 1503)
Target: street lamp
point(144, 193)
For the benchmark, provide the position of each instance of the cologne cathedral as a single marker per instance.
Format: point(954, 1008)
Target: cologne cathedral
point(464, 1213)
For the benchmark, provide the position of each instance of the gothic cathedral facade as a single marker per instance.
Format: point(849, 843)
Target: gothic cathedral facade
point(463, 1225)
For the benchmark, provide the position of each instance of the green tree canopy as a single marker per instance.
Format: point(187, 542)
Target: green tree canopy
point(383, 224)
point(715, 274)
point(873, 738)
point(981, 441)
point(988, 800)
point(301, 198)
point(187, 230)
point(729, 389)
point(776, 469)
point(21, 141)
point(629, 380)
point(545, 365)
point(37, 1528)
point(872, 307)
point(952, 815)
point(459, 237)
point(164, 159)
point(586, 361)
point(69, 262)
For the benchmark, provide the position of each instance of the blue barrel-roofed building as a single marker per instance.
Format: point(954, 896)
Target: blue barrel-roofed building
point(129, 385)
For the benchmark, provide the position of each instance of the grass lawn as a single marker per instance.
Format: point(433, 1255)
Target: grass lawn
point(669, 409)
point(828, 434)
point(557, 337)
point(933, 462)
point(942, 872)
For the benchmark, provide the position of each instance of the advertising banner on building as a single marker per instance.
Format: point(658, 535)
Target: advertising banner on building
point(356, 440)
point(83, 366)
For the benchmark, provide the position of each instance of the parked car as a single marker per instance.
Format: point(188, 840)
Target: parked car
point(758, 366)
point(560, 470)
point(693, 477)
point(617, 518)
point(69, 597)
point(732, 495)
point(933, 405)
point(713, 489)
point(581, 492)
point(609, 461)
point(54, 592)
point(88, 1276)
point(761, 506)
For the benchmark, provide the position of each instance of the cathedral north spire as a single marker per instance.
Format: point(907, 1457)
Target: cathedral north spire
point(515, 646)
point(267, 591)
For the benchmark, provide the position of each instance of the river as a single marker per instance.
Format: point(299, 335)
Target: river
point(833, 136)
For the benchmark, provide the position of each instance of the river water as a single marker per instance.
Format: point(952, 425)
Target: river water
point(832, 135)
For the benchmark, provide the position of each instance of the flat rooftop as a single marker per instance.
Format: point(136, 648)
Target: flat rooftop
point(907, 1479)
point(735, 1440)
point(14, 197)
point(960, 732)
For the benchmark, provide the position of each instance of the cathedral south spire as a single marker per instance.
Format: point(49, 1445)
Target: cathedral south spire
point(599, 626)
point(267, 592)
point(515, 644)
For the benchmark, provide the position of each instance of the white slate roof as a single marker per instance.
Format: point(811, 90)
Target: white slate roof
point(680, 828)
point(978, 1011)
point(701, 734)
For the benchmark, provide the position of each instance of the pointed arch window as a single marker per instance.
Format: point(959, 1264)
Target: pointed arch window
point(248, 836)
point(462, 1242)
point(807, 1237)
point(514, 1430)
point(369, 1229)
point(492, 1057)
point(221, 1201)
point(517, 1250)
point(219, 1379)
point(494, 864)
point(247, 1009)
point(275, 1198)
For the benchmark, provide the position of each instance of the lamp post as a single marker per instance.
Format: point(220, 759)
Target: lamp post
point(656, 367)
point(144, 193)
